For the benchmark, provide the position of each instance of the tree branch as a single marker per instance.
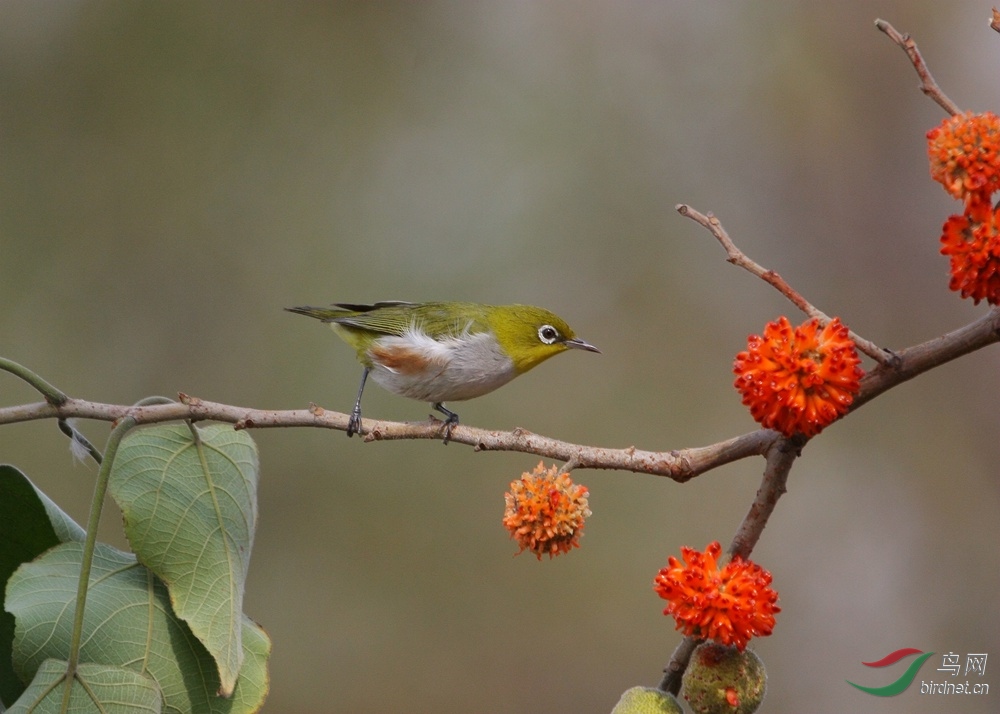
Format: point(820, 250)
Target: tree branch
point(920, 358)
point(927, 84)
point(780, 458)
point(679, 465)
point(673, 673)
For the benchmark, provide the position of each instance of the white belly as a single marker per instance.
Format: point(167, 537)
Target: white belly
point(447, 370)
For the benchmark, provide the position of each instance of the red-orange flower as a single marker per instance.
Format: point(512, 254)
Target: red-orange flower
point(729, 605)
point(964, 152)
point(801, 379)
point(973, 244)
point(545, 511)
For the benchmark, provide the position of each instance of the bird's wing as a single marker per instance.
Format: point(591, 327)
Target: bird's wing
point(389, 317)
point(439, 320)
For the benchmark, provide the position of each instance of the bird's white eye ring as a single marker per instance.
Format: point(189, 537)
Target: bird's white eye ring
point(548, 334)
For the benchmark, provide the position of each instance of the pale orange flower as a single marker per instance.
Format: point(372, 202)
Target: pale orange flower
point(546, 511)
point(964, 152)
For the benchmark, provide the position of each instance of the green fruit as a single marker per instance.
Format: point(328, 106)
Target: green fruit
point(723, 680)
point(647, 700)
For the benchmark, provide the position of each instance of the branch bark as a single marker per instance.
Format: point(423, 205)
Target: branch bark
point(679, 465)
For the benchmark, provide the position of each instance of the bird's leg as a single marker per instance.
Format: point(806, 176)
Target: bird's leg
point(354, 423)
point(450, 422)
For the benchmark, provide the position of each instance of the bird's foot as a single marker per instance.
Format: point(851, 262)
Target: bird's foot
point(354, 423)
point(449, 423)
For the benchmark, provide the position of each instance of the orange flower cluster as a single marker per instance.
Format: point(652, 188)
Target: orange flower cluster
point(546, 511)
point(798, 380)
point(729, 605)
point(964, 153)
point(971, 241)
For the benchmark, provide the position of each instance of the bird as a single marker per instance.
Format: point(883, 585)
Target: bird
point(441, 352)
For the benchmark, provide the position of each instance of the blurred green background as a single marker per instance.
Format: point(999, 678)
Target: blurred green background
point(172, 175)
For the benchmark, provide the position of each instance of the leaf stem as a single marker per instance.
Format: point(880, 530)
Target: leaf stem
point(87, 559)
point(52, 395)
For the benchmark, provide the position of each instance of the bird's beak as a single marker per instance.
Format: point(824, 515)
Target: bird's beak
point(579, 344)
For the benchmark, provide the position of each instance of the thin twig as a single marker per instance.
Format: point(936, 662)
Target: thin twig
point(737, 257)
point(927, 84)
point(740, 259)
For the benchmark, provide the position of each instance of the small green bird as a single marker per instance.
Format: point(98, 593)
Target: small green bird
point(441, 352)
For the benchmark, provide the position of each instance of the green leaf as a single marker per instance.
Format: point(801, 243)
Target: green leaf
point(128, 623)
point(190, 508)
point(98, 688)
point(30, 524)
point(18, 500)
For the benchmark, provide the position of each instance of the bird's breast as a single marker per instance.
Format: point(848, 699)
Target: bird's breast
point(446, 369)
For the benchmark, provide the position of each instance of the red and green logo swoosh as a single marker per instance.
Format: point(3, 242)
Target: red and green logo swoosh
point(891, 690)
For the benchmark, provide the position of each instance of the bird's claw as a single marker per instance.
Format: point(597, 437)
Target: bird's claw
point(354, 423)
point(449, 424)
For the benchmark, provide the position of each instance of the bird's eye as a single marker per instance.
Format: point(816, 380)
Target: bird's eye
point(548, 334)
